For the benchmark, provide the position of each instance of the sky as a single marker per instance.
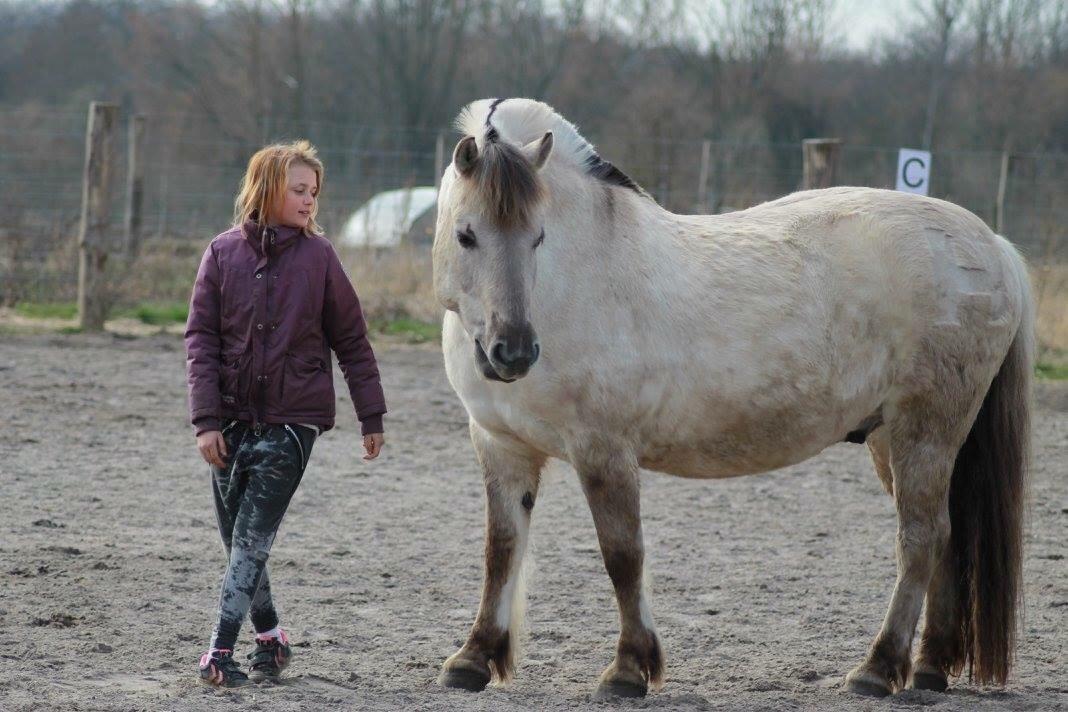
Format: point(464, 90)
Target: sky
point(861, 21)
point(857, 22)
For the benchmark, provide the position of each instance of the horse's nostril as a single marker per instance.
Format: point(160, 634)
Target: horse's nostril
point(498, 353)
point(514, 356)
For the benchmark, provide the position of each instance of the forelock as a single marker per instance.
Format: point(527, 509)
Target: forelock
point(508, 186)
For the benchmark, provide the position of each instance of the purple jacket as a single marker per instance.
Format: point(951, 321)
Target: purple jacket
point(268, 305)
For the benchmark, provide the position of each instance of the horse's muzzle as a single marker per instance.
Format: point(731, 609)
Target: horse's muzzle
point(510, 357)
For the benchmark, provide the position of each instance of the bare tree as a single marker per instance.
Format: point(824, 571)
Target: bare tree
point(418, 44)
point(526, 44)
point(295, 79)
point(938, 18)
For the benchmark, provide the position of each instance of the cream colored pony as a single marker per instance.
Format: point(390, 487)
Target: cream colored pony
point(587, 323)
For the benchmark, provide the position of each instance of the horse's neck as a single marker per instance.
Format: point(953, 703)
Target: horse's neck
point(620, 251)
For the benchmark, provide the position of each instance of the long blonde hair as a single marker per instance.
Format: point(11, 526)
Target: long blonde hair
point(265, 182)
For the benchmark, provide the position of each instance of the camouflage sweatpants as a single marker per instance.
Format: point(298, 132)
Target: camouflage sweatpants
point(251, 497)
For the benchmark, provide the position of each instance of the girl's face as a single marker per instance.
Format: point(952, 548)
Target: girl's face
point(298, 201)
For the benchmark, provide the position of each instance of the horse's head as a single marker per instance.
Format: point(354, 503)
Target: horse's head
point(490, 224)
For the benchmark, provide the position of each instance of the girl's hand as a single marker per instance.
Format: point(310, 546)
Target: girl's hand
point(372, 443)
point(212, 448)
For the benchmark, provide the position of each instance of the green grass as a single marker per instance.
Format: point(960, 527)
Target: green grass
point(152, 313)
point(47, 310)
point(1051, 371)
point(159, 313)
point(413, 330)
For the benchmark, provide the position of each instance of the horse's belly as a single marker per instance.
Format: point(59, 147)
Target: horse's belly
point(736, 452)
point(710, 460)
point(724, 434)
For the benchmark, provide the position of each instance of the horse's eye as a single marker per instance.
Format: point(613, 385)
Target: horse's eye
point(541, 239)
point(466, 238)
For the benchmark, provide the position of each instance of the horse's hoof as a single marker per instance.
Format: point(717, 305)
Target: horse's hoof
point(929, 681)
point(464, 679)
point(867, 687)
point(611, 689)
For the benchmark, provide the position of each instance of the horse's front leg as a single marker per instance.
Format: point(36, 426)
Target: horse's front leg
point(609, 477)
point(511, 474)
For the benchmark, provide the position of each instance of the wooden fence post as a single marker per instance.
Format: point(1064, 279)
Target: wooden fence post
point(165, 169)
point(702, 179)
point(439, 160)
point(135, 185)
point(93, 230)
point(820, 168)
point(1003, 180)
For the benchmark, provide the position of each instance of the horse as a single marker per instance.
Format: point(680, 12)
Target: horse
point(585, 322)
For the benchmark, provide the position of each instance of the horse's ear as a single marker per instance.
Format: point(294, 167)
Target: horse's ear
point(537, 151)
point(465, 155)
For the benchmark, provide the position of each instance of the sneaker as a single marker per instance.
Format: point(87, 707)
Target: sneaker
point(270, 658)
point(218, 668)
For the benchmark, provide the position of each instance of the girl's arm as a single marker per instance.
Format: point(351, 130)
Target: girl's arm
point(346, 332)
point(202, 347)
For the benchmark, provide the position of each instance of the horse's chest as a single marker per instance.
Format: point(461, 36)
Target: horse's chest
point(513, 409)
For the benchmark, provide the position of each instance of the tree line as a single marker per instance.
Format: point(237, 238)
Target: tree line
point(951, 74)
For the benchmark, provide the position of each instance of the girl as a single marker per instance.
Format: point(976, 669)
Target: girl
point(270, 301)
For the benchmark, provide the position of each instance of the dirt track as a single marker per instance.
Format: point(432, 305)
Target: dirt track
point(766, 589)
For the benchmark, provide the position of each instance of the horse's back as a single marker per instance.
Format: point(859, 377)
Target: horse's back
point(925, 264)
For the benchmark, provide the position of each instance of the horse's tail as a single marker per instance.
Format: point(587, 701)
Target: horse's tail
point(986, 504)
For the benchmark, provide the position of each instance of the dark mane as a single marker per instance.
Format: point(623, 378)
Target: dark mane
point(603, 170)
point(511, 187)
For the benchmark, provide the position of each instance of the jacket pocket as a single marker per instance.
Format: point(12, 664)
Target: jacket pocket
point(237, 298)
point(307, 385)
point(233, 379)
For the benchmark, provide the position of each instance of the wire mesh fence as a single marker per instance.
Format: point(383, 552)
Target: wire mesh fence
point(192, 166)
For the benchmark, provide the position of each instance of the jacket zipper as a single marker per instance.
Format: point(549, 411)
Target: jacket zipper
point(261, 391)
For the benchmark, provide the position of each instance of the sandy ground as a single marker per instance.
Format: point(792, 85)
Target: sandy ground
point(766, 589)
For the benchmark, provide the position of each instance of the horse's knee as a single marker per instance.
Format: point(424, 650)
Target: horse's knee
point(923, 535)
point(922, 541)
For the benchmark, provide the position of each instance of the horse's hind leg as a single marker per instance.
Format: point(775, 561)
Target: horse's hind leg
point(511, 473)
point(939, 643)
point(609, 477)
point(921, 460)
point(879, 445)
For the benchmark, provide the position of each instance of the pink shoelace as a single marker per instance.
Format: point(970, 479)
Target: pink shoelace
point(207, 660)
